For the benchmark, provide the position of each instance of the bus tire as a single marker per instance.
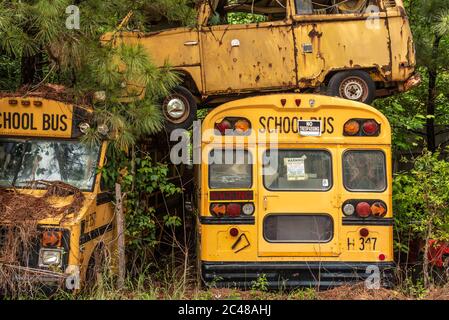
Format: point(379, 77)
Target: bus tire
point(352, 85)
point(179, 109)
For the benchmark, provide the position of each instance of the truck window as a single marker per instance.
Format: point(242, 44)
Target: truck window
point(308, 7)
point(246, 12)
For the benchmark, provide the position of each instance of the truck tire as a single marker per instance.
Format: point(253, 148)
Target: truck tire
point(179, 109)
point(353, 85)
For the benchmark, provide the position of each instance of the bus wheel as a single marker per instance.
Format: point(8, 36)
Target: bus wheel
point(179, 109)
point(96, 266)
point(353, 85)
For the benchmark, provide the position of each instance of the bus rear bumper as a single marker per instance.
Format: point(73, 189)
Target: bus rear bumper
point(320, 275)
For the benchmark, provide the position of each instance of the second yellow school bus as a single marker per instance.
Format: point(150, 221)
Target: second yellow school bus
point(297, 189)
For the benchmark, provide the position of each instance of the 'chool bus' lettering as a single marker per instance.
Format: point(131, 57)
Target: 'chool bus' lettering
point(27, 121)
point(290, 124)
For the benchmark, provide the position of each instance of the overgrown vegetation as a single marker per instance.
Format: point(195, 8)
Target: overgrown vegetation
point(36, 48)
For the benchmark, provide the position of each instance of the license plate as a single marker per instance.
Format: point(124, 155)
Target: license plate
point(362, 244)
point(310, 128)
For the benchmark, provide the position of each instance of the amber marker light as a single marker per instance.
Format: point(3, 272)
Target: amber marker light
point(52, 239)
point(218, 210)
point(351, 128)
point(378, 209)
point(242, 126)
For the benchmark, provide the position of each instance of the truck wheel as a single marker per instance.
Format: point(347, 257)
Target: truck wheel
point(353, 85)
point(179, 109)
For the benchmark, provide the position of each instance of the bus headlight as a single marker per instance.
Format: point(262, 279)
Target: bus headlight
point(50, 257)
point(103, 129)
point(348, 209)
point(100, 95)
point(84, 127)
point(248, 209)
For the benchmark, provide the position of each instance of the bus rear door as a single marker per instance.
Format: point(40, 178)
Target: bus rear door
point(298, 205)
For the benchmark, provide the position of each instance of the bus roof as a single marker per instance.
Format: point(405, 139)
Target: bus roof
point(281, 113)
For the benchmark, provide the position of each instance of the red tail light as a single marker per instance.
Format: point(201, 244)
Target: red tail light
point(370, 127)
point(363, 209)
point(223, 126)
point(233, 210)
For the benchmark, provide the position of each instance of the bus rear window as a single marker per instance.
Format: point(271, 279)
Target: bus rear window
point(364, 170)
point(297, 170)
point(298, 228)
point(230, 169)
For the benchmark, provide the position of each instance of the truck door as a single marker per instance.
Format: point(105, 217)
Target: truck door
point(329, 41)
point(248, 57)
point(298, 212)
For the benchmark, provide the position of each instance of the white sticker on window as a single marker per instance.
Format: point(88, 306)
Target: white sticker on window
point(295, 168)
point(325, 183)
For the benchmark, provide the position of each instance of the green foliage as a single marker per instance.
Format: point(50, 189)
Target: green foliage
point(261, 284)
point(140, 178)
point(421, 201)
point(414, 114)
point(245, 18)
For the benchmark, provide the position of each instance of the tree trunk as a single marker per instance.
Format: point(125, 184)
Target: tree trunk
point(431, 96)
point(120, 236)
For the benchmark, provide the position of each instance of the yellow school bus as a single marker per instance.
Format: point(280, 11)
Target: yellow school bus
point(296, 188)
point(40, 145)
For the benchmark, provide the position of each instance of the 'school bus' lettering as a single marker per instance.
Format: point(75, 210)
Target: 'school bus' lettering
point(322, 217)
point(36, 117)
point(290, 124)
point(27, 121)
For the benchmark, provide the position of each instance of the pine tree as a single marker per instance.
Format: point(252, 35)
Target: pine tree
point(36, 48)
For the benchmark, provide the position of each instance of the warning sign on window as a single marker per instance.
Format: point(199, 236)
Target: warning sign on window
point(295, 168)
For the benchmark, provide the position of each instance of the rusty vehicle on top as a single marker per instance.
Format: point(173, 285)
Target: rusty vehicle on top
point(355, 49)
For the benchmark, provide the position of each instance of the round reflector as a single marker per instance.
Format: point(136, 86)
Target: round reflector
point(378, 209)
point(352, 128)
point(348, 209)
point(364, 232)
point(234, 232)
point(248, 209)
point(370, 127)
point(382, 257)
point(363, 209)
point(233, 209)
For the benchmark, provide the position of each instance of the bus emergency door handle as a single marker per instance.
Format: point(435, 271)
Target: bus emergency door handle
point(265, 201)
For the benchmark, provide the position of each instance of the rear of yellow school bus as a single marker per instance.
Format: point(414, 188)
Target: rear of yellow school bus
point(295, 189)
point(40, 145)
